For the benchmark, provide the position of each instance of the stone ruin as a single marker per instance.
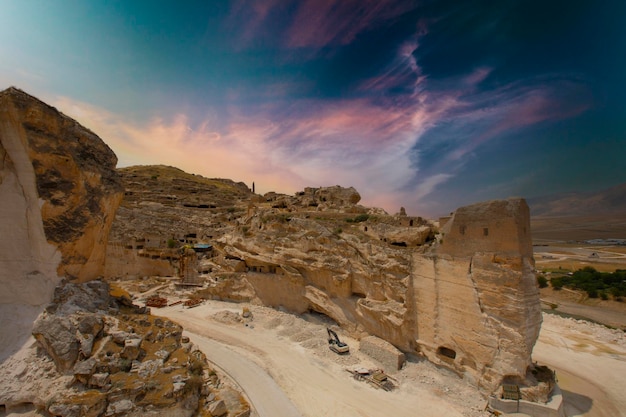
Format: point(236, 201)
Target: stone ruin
point(463, 293)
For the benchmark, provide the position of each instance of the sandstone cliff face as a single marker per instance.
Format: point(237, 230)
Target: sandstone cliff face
point(58, 192)
point(470, 302)
point(465, 296)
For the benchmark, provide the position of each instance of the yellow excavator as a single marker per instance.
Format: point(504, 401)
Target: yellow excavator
point(335, 344)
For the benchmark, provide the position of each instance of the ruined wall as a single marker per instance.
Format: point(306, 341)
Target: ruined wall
point(477, 301)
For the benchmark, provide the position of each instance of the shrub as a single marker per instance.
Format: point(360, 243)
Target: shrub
point(171, 243)
point(358, 219)
point(361, 218)
point(542, 281)
point(557, 283)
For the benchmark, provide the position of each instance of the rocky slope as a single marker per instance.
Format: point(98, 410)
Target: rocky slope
point(464, 294)
point(101, 355)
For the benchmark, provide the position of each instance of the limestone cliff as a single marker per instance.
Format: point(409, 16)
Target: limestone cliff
point(58, 191)
point(464, 296)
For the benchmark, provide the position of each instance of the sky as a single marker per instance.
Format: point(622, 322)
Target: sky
point(426, 104)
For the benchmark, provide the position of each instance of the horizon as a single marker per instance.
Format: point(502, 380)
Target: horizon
point(424, 105)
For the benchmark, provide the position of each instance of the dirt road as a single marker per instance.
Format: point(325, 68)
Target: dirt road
point(316, 386)
point(265, 395)
point(590, 361)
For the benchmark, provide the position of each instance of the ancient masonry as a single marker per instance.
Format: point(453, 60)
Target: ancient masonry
point(476, 299)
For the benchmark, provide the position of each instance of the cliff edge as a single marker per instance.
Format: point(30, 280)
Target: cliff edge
point(59, 192)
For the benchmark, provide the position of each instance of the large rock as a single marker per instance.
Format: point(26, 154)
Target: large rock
point(58, 337)
point(477, 305)
point(59, 192)
point(384, 352)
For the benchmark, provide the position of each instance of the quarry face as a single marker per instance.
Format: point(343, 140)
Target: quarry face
point(461, 292)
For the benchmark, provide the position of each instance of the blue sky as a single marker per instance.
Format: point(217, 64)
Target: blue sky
point(428, 105)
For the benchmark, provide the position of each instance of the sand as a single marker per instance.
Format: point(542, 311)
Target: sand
point(590, 361)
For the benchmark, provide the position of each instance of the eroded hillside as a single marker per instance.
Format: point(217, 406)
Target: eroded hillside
point(462, 293)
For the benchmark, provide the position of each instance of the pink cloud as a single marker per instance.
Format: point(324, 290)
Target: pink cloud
point(248, 17)
point(318, 23)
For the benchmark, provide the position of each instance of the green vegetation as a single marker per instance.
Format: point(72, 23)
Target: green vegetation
point(542, 281)
point(358, 219)
point(171, 243)
point(595, 284)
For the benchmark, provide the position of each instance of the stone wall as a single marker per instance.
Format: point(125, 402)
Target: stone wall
point(384, 352)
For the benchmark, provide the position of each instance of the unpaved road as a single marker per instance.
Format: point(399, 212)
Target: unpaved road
point(265, 395)
point(315, 386)
point(590, 361)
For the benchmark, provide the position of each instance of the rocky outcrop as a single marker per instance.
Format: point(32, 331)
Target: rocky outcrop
point(477, 304)
point(59, 191)
point(468, 301)
point(463, 295)
point(103, 356)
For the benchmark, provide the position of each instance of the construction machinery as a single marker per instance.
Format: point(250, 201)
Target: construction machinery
point(375, 377)
point(335, 344)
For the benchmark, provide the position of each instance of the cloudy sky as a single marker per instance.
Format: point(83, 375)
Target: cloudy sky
point(425, 104)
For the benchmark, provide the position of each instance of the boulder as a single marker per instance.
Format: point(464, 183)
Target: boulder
point(120, 408)
point(218, 408)
point(57, 335)
point(84, 370)
point(384, 352)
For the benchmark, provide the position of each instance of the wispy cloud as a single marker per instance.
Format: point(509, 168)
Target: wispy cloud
point(312, 24)
point(319, 23)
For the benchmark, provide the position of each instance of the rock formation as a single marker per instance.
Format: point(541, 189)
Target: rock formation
point(464, 295)
point(102, 356)
point(59, 191)
point(476, 295)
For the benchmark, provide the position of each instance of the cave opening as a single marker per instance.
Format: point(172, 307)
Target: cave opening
point(446, 352)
